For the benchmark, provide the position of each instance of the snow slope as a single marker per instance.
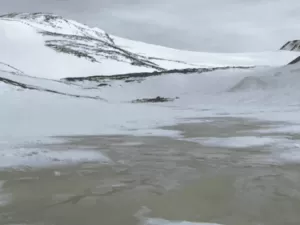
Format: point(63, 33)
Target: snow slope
point(207, 59)
point(49, 46)
point(25, 82)
point(75, 109)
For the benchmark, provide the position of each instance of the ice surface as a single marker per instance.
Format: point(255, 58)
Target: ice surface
point(282, 129)
point(36, 157)
point(4, 198)
point(287, 152)
point(153, 221)
point(20, 151)
point(236, 142)
point(291, 156)
point(141, 215)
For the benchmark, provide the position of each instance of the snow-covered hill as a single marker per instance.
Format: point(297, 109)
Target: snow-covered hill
point(49, 46)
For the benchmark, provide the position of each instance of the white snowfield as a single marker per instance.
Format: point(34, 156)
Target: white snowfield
point(49, 46)
point(39, 49)
point(268, 94)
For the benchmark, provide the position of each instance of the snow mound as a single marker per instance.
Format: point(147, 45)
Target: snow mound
point(249, 83)
point(284, 81)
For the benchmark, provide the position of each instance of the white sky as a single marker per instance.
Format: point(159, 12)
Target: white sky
point(200, 25)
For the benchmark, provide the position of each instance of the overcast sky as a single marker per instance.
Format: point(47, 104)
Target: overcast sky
point(202, 25)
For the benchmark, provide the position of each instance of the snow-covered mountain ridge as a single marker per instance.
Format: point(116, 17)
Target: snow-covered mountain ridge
point(291, 46)
point(50, 46)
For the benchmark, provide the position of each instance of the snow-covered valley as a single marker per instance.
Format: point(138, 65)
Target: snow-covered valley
point(61, 78)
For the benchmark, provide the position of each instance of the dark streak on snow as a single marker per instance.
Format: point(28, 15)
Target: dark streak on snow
point(14, 68)
point(150, 74)
point(296, 60)
point(30, 87)
point(107, 48)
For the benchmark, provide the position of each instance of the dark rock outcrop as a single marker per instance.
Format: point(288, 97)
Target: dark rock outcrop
point(154, 100)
